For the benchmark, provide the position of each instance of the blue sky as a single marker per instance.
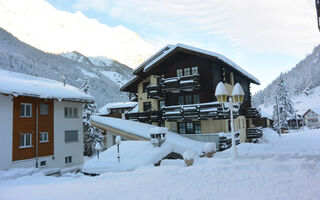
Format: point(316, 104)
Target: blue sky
point(264, 37)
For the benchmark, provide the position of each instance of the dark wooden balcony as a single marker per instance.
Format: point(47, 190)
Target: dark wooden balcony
point(251, 113)
point(155, 91)
point(180, 84)
point(146, 116)
point(194, 111)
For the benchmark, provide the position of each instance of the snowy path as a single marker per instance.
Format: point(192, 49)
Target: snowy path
point(285, 168)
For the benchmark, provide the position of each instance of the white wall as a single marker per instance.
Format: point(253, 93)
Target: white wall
point(6, 118)
point(62, 124)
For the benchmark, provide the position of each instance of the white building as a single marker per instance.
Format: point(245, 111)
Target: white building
point(41, 122)
point(312, 117)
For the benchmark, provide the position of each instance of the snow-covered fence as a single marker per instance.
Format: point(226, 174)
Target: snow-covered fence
point(225, 141)
point(252, 134)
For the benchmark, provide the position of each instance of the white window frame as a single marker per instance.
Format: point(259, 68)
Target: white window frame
point(72, 112)
point(66, 132)
point(25, 140)
point(25, 110)
point(44, 133)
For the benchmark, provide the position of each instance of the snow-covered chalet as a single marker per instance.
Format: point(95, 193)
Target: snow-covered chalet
point(41, 122)
point(176, 86)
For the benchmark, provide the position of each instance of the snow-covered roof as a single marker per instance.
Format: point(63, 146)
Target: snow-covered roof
point(316, 110)
point(147, 65)
point(135, 154)
point(18, 84)
point(106, 108)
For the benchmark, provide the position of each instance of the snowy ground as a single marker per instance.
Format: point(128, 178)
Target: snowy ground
point(281, 168)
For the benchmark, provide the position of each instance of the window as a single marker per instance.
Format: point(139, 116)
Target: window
point(43, 137)
point(179, 72)
point(196, 98)
point(197, 128)
point(44, 109)
point(186, 71)
point(189, 99)
point(182, 128)
point(43, 163)
point(145, 85)
point(161, 104)
point(71, 136)
point(194, 70)
point(146, 106)
point(189, 127)
point(68, 159)
point(25, 140)
point(75, 112)
point(25, 110)
point(181, 100)
point(70, 112)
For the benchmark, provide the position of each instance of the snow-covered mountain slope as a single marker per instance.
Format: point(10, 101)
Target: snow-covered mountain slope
point(117, 72)
point(39, 24)
point(302, 102)
point(305, 74)
point(21, 57)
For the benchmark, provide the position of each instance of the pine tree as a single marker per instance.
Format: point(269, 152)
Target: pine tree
point(92, 135)
point(286, 110)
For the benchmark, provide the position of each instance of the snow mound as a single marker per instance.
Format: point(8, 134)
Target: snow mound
point(133, 154)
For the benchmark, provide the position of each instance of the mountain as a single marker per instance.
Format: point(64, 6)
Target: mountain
point(75, 67)
point(302, 102)
point(39, 24)
point(116, 71)
point(306, 74)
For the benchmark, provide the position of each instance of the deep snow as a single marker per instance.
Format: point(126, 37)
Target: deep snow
point(280, 168)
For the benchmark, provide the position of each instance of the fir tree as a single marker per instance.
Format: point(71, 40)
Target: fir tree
point(286, 110)
point(92, 135)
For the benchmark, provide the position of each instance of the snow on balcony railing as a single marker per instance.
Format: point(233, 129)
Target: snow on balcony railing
point(192, 111)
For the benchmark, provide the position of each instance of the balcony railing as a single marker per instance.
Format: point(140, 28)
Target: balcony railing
point(182, 83)
point(155, 91)
point(174, 85)
point(194, 111)
point(146, 116)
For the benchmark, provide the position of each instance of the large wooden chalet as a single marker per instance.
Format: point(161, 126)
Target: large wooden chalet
point(175, 88)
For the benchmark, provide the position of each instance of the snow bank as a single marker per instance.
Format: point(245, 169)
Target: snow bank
point(135, 154)
point(25, 85)
point(142, 130)
point(282, 168)
point(16, 173)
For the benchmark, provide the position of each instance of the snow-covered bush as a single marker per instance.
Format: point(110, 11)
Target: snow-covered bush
point(189, 157)
point(209, 149)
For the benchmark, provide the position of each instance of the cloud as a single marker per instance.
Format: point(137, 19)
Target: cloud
point(286, 26)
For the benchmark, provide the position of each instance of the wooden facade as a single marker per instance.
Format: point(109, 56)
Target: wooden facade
point(27, 125)
point(184, 82)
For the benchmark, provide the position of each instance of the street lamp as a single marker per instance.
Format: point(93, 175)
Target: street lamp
point(118, 141)
point(98, 148)
point(231, 106)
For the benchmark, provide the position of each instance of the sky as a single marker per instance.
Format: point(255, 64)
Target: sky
point(263, 37)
